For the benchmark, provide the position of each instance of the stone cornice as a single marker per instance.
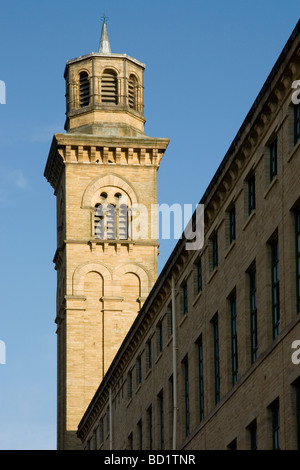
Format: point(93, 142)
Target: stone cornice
point(108, 151)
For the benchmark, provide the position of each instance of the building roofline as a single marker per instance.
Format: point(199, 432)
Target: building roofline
point(179, 247)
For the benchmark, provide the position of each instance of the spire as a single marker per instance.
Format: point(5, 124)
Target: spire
point(104, 47)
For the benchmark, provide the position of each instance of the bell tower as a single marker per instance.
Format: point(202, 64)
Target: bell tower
point(103, 171)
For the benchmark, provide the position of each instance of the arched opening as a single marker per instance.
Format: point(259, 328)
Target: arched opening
point(111, 216)
point(109, 87)
point(132, 92)
point(84, 89)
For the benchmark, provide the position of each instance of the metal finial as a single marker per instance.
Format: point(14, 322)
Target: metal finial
point(104, 18)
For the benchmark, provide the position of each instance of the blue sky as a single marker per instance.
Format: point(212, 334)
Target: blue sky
point(205, 64)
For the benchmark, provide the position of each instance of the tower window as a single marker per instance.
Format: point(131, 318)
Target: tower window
point(132, 92)
point(84, 89)
point(111, 217)
point(109, 87)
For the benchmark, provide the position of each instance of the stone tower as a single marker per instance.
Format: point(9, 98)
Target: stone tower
point(103, 172)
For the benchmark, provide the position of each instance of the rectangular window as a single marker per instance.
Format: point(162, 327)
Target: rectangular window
point(232, 225)
point(161, 420)
point(159, 337)
point(130, 442)
point(139, 370)
point(150, 428)
point(252, 429)
point(170, 320)
point(273, 159)
point(201, 378)
point(101, 431)
point(186, 396)
point(251, 194)
point(232, 445)
point(253, 315)
point(129, 384)
point(184, 299)
point(215, 251)
point(296, 123)
point(199, 277)
point(275, 287)
point(149, 354)
point(297, 239)
point(234, 350)
point(274, 408)
point(140, 434)
point(215, 324)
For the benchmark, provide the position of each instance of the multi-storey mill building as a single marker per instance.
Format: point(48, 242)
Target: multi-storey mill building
point(100, 169)
point(211, 360)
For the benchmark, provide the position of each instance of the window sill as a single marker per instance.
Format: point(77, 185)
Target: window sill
point(148, 373)
point(138, 388)
point(293, 151)
point(129, 402)
point(197, 297)
point(231, 246)
point(214, 272)
point(271, 185)
point(183, 319)
point(250, 217)
point(158, 357)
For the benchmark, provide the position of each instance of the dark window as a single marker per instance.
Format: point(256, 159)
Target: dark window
point(149, 354)
point(232, 224)
point(184, 299)
point(275, 287)
point(199, 276)
point(215, 251)
point(253, 315)
point(252, 429)
point(297, 239)
point(170, 320)
point(139, 370)
point(234, 351)
point(129, 384)
point(251, 194)
point(140, 434)
point(215, 324)
point(159, 332)
point(273, 159)
point(232, 445)
point(130, 442)
point(274, 407)
point(186, 396)
point(150, 427)
point(84, 89)
point(201, 378)
point(296, 123)
point(161, 420)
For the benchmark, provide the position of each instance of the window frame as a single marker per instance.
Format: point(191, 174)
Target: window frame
point(253, 314)
point(275, 286)
point(251, 193)
point(273, 155)
point(234, 340)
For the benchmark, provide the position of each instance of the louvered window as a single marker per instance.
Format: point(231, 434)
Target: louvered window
point(109, 87)
point(132, 92)
point(84, 89)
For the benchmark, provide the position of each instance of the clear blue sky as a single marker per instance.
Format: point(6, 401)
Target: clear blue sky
point(205, 64)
